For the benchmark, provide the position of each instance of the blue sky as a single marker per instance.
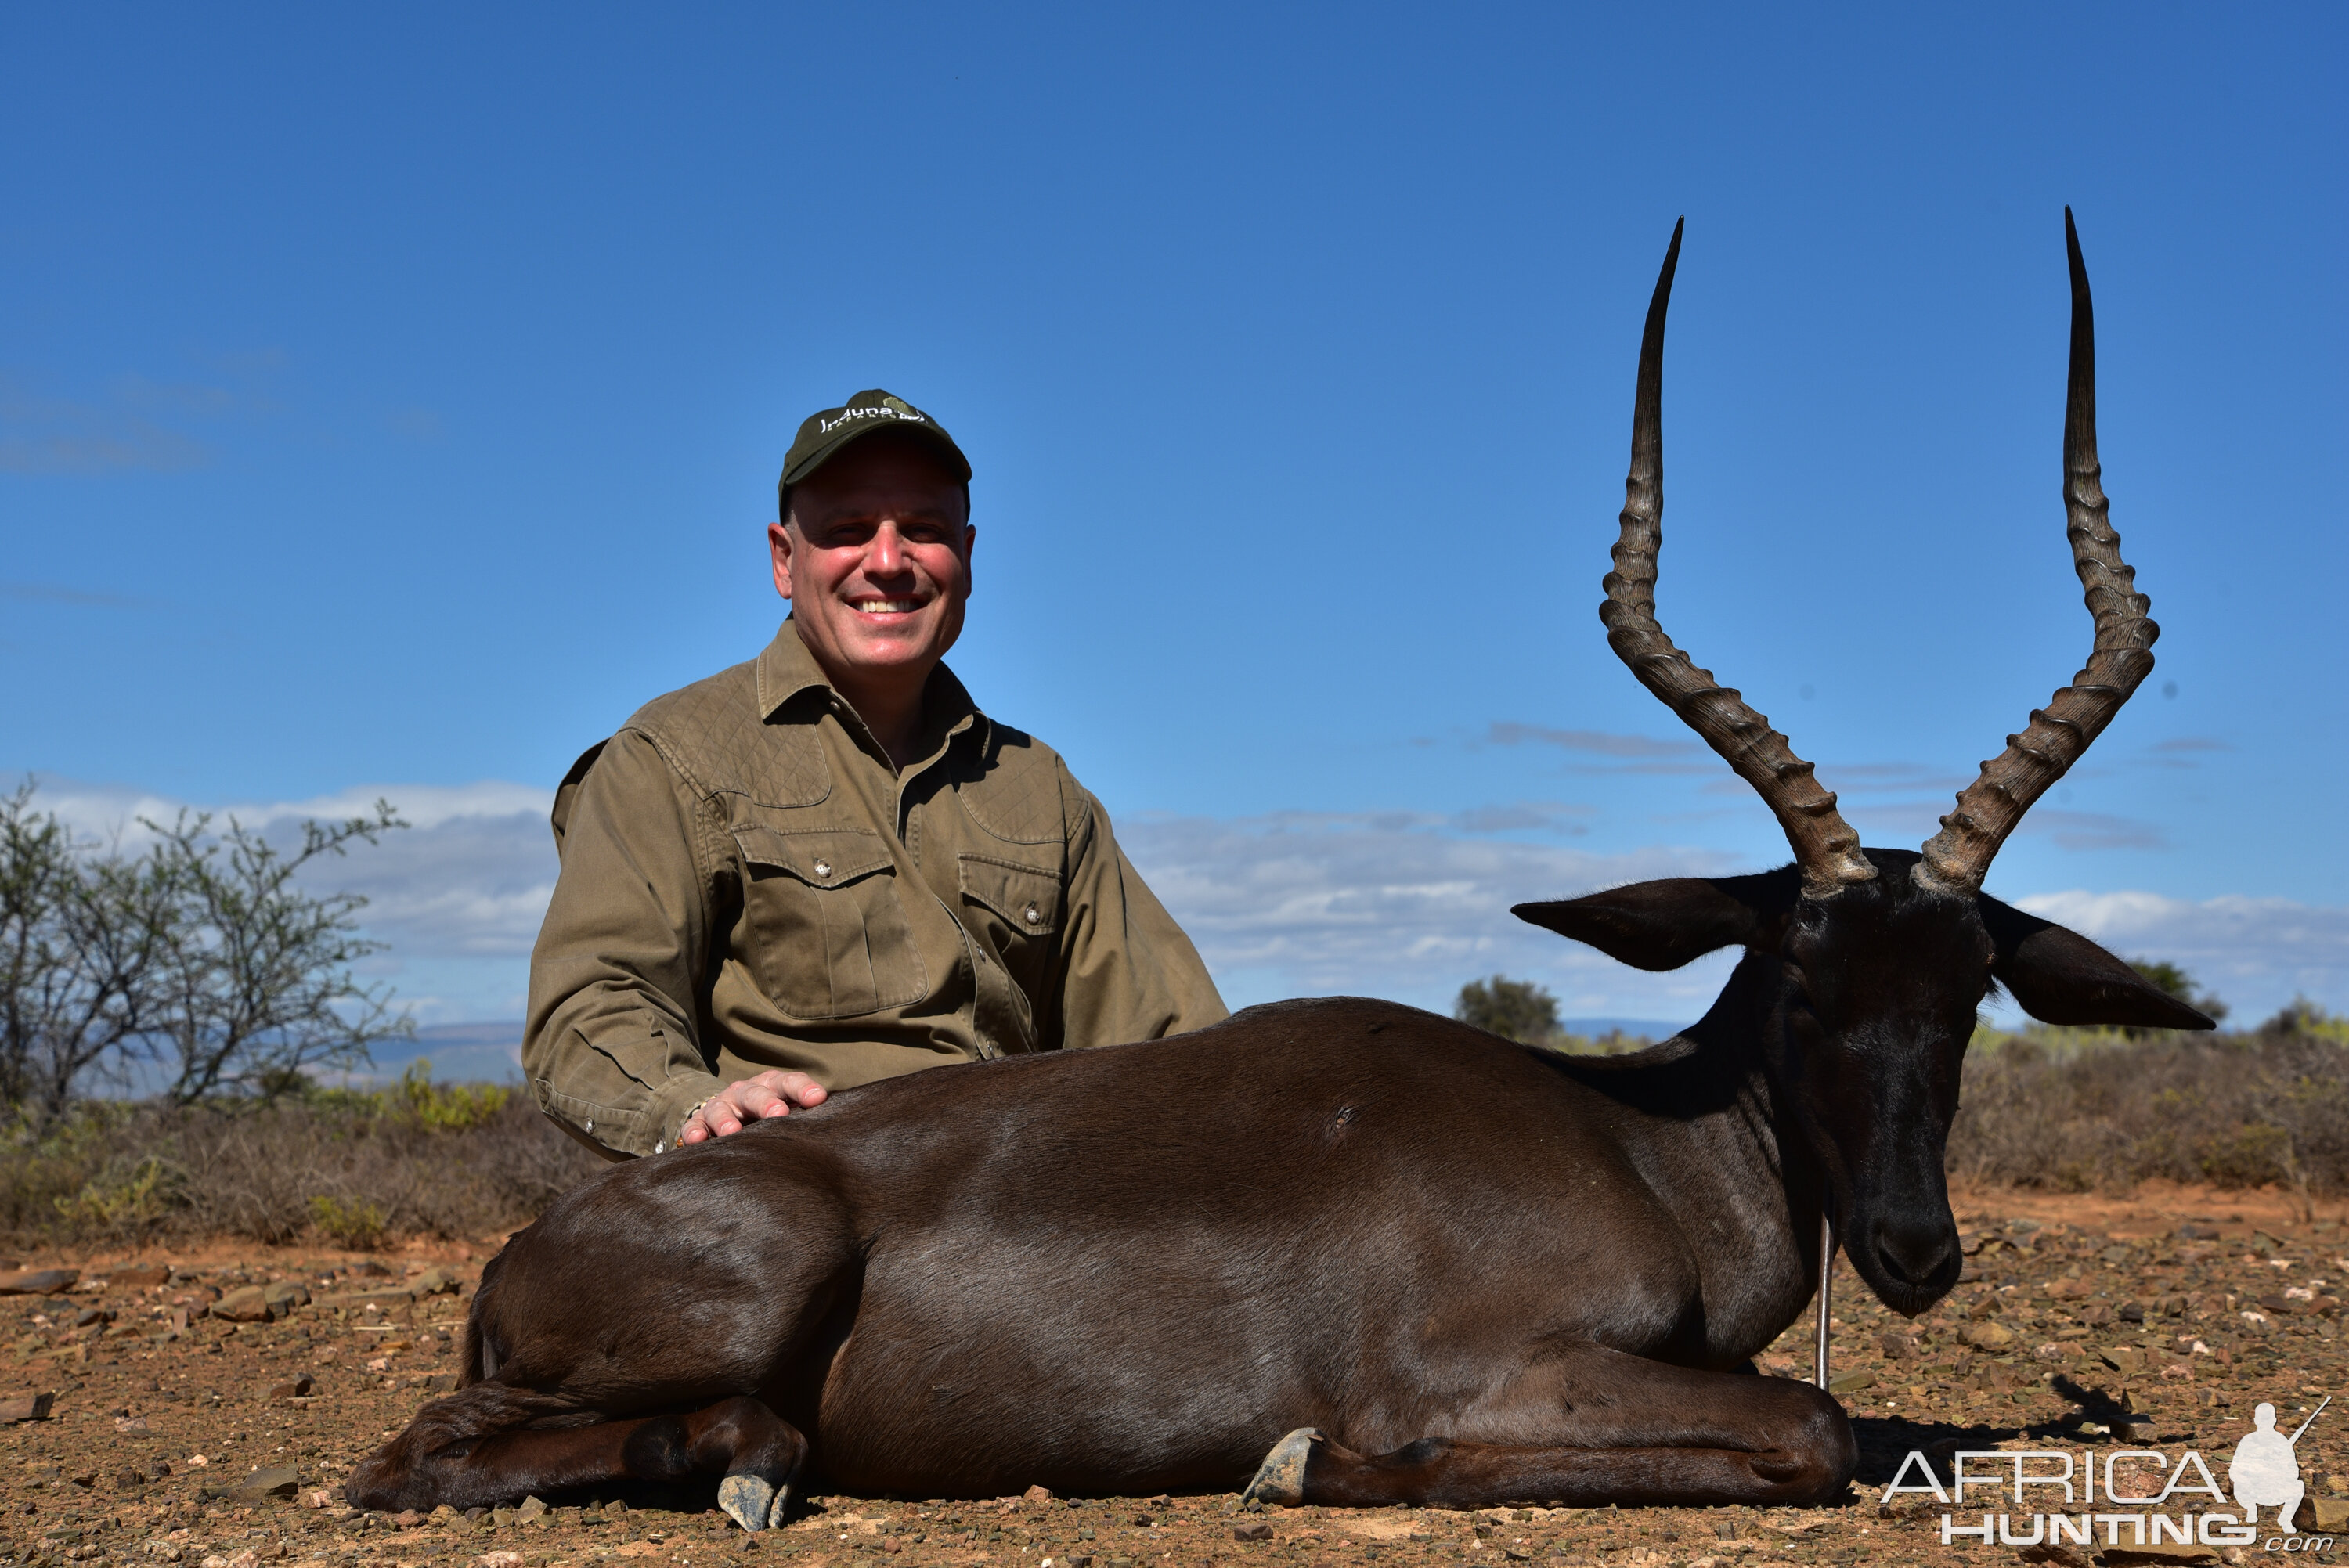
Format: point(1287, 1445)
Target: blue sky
point(391, 402)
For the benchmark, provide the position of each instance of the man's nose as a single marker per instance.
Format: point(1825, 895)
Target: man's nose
point(886, 556)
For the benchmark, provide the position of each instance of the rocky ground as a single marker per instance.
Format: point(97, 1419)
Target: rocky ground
point(207, 1406)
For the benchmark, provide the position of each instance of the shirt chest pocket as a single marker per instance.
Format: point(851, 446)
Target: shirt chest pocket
point(1016, 909)
point(825, 933)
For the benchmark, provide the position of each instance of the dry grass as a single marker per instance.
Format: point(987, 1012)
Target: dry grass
point(2080, 1111)
point(350, 1170)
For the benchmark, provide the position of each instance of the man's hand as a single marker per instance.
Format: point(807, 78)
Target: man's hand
point(772, 1093)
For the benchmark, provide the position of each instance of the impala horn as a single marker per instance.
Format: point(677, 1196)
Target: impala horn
point(1957, 858)
point(1825, 848)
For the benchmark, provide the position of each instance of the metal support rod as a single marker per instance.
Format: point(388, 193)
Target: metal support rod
point(1827, 1268)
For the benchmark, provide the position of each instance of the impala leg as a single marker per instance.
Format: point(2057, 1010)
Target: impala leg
point(1441, 1472)
point(469, 1450)
point(1586, 1426)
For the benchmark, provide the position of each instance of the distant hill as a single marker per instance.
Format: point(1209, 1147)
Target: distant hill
point(1592, 1029)
point(459, 1053)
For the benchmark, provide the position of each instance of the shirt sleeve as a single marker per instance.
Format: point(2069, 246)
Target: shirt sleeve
point(612, 1050)
point(1127, 971)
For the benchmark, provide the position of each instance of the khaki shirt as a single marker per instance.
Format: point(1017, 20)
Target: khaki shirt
point(748, 883)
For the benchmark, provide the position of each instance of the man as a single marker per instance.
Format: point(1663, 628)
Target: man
point(826, 866)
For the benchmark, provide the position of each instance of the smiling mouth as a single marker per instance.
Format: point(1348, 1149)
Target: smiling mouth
point(887, 606)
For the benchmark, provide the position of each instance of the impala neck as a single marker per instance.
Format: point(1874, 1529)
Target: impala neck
point(1718, 1148)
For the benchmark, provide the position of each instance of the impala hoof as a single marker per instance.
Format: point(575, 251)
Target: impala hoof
point(754, 1504)
point(1281, 1479)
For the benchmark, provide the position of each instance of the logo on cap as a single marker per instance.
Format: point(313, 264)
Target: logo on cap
point(890, 407)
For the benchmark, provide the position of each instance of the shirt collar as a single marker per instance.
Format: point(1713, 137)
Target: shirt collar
point(786, 670)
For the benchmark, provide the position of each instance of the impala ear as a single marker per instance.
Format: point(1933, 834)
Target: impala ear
point(1663, 924)
point(2059, 976)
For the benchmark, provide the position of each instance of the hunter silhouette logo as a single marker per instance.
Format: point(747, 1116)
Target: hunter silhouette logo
point(2057, 1498)
point(2265, 1470)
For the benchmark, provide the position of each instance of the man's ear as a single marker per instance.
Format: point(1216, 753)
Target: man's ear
point(2059, 976)
point(1663, 924)
point(779, 546)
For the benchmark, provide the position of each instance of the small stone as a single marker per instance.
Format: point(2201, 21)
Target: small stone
point(532, 1507)
point(2061, 1557)
point(298, 1389)
point(37, 1282)
point(2166, 1552)
point(245, 1305)
point(1986, 1336)
point(1252, 1532)
point(499, 1560)
point(276, 1480)
point(140, 1276)
point(1037, 1494)
point(1850, 1382)
point(318, 1497)
point(435, 1281)
point(445, 1514)
point(407, 1519)
point(2331, 1512)
point(25, 1408)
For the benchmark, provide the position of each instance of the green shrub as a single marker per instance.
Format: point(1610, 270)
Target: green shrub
point(451, 1107)
point(356, 1226)
point(124, 1205)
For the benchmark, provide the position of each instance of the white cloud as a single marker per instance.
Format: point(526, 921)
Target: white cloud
point(457, 894)
point(43, 434)
point(1394, 905)
point(113, 810)
point(1599, 742)
point(1401, 905)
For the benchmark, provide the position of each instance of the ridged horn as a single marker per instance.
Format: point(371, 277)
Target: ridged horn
point(1825, 848)
point(1957, 858)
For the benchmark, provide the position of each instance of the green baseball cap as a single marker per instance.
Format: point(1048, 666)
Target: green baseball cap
point(821, 435)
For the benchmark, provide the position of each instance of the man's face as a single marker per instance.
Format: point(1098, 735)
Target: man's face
point(876, 561)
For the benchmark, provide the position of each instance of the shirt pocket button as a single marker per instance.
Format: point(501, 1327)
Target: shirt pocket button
point(823, 868)
point(1032, 915)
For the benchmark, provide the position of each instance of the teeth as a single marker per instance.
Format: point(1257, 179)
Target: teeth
point(890, 606)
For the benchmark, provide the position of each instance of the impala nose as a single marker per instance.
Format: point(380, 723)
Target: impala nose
point(1917, 1255)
